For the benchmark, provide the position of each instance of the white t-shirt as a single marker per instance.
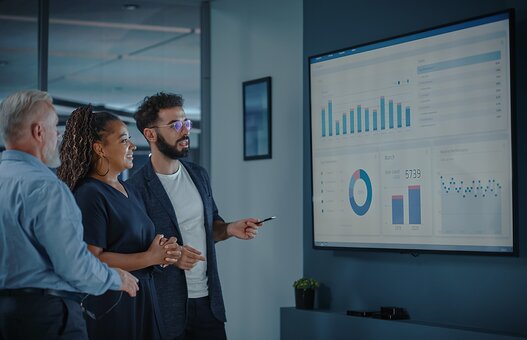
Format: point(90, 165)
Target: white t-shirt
point(188, 206)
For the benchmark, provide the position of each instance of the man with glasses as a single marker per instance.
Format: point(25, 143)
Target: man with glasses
point(178, 198)
point(44, 263)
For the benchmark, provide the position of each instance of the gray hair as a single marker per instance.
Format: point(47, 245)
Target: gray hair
point(17, 109)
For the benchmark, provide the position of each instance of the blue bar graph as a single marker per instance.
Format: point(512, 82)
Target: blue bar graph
point(390, 113)
point(414, 204)
point(359, 119)
point(352, 121)
point(330, 114)
point(399, 115)
point(383, 116)
point(367, 118)
point(323, 123)
point(397, 209)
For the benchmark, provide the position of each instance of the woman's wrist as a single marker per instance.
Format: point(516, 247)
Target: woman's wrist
point(150, 259)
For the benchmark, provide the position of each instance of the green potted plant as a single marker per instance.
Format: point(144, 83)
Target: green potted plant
point(305, 292)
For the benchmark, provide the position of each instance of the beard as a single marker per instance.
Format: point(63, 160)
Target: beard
point(171, 151)
point(51, 154)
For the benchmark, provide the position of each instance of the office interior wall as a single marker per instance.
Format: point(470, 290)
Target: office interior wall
point(250, 40)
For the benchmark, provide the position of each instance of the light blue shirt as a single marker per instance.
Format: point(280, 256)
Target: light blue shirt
point(41, 233)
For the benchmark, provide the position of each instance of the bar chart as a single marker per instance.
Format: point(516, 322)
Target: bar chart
point(414, 206)
point(397, 209)
point(385, 115)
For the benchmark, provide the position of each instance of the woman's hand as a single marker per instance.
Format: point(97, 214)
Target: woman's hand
point(163, 251)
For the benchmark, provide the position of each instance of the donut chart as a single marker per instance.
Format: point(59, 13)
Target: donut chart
point(360, 209)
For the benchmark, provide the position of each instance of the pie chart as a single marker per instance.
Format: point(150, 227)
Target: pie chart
point(363, 206)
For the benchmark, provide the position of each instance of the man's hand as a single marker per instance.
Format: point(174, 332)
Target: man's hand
point(189, 258)
point(245, 229)
point(128, 282)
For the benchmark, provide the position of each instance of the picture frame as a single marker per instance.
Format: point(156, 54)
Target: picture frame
point(257, 118)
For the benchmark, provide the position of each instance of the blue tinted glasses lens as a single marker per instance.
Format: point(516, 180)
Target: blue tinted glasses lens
point(178, 124)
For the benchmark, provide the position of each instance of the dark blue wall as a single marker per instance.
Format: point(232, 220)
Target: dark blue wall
point(477, 291)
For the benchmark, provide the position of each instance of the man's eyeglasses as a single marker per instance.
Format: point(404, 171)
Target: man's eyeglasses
point(178, 125)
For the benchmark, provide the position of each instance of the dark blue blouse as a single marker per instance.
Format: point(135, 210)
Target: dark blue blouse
point(111, 220)
point(119, 224)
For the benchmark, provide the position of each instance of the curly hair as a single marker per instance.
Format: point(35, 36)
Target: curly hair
point(83, 128)
point(147, 113)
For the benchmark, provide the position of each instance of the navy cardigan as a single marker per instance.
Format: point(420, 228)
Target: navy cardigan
point(171, 284)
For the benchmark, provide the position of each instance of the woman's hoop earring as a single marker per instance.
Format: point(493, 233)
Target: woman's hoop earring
point(97, 166)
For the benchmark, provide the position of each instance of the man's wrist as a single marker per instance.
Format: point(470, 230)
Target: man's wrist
point(227, 230)
point(116, 281)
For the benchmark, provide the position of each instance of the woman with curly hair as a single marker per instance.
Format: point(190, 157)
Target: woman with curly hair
point(95, 150)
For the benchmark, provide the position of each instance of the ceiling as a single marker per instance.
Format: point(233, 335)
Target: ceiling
point(102, 53)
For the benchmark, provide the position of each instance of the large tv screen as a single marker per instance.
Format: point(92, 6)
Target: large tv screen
point(412, 141)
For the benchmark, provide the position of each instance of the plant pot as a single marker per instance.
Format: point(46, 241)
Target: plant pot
point(304, 298)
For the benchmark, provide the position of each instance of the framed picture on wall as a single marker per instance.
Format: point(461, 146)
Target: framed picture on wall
point(257, 108)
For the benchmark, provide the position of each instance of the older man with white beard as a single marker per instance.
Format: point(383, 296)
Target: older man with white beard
point(44, 264)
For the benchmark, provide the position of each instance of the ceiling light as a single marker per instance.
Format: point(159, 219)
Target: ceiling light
point(130, 7)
